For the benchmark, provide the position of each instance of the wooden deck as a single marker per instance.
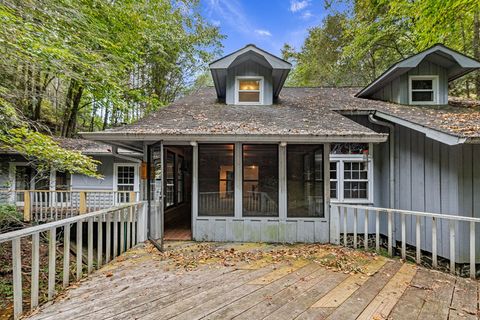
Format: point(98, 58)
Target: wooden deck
point(250, 281)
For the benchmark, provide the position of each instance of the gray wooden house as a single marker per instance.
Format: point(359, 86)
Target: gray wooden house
point(252, 160)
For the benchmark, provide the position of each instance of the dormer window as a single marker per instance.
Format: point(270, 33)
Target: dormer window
point(249, 90)
point(423, 89)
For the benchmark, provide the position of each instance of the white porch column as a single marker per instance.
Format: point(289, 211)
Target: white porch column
point(333, 217)
point(194, 188)
point(238, 176)
point(282, 181)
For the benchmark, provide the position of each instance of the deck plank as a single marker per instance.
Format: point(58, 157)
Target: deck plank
point(437, 302)
point(465, 300)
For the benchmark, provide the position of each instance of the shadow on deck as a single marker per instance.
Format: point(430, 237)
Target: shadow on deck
point(259, 281)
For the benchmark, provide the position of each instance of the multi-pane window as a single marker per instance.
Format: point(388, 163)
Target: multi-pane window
point(170, 182)
point(423, 89)
point(249, 90)
point(216, 179)
point(305, 181)
point(350, 173)
point(180, 179)
point(125, 181)
point(260, 180)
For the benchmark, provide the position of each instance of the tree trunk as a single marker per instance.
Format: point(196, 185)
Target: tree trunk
point(74, 96)
point(476, 48)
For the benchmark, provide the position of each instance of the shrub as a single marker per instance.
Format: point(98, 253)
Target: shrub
point(10, 218)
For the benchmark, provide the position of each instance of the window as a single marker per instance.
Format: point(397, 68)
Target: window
point(180, 179)
point(126, 180)
point(423, 89)
point(305, 181)
point(170, 180)
point(350, 173)
point(260, 180)
point(249, 90)
point(216, 179)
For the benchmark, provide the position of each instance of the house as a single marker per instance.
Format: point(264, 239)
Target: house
point(252, 160)
point(120, 169)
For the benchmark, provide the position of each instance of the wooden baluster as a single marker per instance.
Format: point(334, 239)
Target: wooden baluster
point(473, 271)
point(99, 241)
point(418, 243)
point(122, 231)
point(79, 250)
point(129, 226)
point(17, 278)
point(390, 234)
point(90, 245)
point(345, 226)
point(377, 231)
point(134, 226)
point(115, 234)
point(404, 236)
point(35, 270)
point(452, 246)
point(52, 249)
point(108, 237)
point(66, 255)
point(434, 242)
point(83, 203)
point(355, 219)
point(365, 227)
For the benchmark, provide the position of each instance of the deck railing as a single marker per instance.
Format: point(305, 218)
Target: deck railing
point(52, 205)
point(121, 227)
point(346, 215)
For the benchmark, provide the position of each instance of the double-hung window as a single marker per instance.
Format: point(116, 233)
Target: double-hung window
point(249, 90)
point(351, 173)
point(126, 179)
point(423, 89)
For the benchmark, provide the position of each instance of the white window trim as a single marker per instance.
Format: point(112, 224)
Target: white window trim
point(136, 176)
point(435, 89)
point(340, 159)
point(237, 81)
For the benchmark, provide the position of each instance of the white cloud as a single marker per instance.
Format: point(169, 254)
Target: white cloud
point(216, 23)
point(307, 15)
point(263, 33)
point(298, 5)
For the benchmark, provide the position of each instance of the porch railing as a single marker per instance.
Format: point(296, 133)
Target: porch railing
point(121, 227)
point(52, 205)
point(347, 217)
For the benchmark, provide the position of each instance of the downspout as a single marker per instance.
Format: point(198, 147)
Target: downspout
point(391, 138)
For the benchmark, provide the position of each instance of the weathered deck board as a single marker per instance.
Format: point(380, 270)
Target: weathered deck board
point(139, 285)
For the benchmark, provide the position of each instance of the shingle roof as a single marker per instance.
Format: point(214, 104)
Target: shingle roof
point(200, 114)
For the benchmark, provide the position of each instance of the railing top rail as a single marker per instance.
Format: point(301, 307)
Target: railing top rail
point(60, 223)
point(409, 212)
point(74, 190)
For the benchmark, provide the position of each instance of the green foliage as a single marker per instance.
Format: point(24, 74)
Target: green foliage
point(10, 218)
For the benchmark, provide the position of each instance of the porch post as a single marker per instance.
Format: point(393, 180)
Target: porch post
point(333, 219)
point(238, 177)
point(194, 188)
point(282, 181)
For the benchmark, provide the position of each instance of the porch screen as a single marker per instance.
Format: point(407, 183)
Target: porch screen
point(305, 181)
point(260, 180)
point(216, 180)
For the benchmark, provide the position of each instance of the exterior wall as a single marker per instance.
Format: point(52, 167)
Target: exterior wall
point(397, 89)
point(249, 68)
point(432, 177)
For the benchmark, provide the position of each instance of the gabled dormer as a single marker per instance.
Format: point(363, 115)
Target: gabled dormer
point(421, 79)
point(249, 76)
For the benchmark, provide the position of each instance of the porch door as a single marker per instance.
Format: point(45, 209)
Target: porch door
point(156, 196)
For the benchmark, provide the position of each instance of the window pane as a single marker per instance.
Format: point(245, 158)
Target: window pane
point(305, 181)
point(349, 148)
point(216, 179)
point(249, 96)
point(260, 180)
point(422, 96)
point(355, 190)
point(180, 179)
point(333, 189)
point(249, 84)
point(422, 84)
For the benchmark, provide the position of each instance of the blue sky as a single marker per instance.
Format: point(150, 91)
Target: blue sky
point(267, 23)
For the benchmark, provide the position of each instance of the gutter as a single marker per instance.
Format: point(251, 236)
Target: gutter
point(372, 119)
point(121, 156)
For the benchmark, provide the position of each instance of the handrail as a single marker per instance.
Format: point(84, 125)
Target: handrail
point(67, 190)
point(119, 227)
point(340, 225)
point(445, 216)
point(60, 223)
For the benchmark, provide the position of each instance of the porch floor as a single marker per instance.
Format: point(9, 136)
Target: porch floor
point(259, 281)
